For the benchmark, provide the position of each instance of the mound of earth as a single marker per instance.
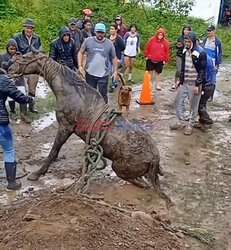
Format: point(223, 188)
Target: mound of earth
point(58, 221)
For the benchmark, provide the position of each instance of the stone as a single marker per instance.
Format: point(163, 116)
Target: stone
point(146, 218)
point(30, 217)
point(180, 235)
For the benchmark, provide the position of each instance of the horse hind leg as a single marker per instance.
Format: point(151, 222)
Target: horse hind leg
point(61, 137)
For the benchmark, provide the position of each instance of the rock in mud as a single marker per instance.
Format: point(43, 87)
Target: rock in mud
point(30, 217)
point(146, 218)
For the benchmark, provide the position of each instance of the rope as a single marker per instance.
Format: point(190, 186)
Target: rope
point(93, 153)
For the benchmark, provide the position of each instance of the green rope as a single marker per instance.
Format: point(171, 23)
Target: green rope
point(94, 153)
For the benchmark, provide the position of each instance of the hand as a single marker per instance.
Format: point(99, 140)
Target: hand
point(82, 72)
point(15, 58)
point(114, 75)
point(196, 90)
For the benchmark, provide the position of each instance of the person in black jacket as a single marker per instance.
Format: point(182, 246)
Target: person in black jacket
point(180, 47)
point(8, 88)
point(119, 48)
point(192, 77)
point(63, 49)
point(12, 55)
point(76, 33)
point(27, 42)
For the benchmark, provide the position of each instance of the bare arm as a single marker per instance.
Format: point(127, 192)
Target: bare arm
point(80, 61)
point(115, 65)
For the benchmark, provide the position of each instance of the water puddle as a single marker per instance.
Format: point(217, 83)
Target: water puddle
point(44, 121)
point(42, 89)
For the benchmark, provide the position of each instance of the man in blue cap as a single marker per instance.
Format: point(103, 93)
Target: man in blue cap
point(100, 51)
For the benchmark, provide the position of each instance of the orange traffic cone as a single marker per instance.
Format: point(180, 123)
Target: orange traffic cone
point(145, 96)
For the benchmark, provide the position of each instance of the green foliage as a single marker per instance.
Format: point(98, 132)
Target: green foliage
point(50, 15)
point(7, 9)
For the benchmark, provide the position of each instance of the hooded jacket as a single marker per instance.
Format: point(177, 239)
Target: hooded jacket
point(157, 50)
point(181, 40)
point(6, 60)
point(8, 88)
point(62, 52)
point(121, 29)
point(23, 43)
point(199, 59)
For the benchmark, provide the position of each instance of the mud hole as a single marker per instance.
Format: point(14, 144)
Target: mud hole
point(197, 178)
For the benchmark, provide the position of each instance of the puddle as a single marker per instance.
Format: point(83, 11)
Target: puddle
point(42, 89)
point(44, 121)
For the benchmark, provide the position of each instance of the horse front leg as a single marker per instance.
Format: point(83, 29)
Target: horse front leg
point(61, 137)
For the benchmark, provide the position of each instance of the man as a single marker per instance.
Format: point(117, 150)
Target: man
point(192, 77)
point(157, 54)
point(12, 55)
point(76, 34)
point(87, 15)
point(63, 49)
point(180, 47)
point(27, 42)
point(100, 51)
point(213, 48)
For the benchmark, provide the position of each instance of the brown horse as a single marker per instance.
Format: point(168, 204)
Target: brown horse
point(133, 153)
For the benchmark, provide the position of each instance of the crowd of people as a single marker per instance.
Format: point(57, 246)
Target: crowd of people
point(85, 47)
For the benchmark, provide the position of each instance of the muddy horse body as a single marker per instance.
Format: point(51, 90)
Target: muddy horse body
point(133, 153)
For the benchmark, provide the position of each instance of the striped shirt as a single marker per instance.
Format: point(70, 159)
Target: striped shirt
point(190, 73)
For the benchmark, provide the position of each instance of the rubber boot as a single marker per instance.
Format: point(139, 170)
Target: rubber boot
point(23, 113)
point(10, 176)
point(31, 105)
point(13, 114)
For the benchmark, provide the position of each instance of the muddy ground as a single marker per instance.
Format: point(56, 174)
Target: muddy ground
point(197, 178)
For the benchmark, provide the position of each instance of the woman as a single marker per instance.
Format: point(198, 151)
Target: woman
point(119, 48)
point(87, 30)
point(157, 54)
point(132, 47)
point(8, 89)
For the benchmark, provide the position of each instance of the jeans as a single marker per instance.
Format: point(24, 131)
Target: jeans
point(120, 65)
point(186, 90)
point(6, 142)
point(100, 83)
point(208, 92)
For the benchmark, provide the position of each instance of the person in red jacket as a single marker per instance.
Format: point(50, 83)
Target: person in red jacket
point(157, 54)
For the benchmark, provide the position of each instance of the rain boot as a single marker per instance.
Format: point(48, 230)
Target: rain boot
point(10, 176)
point(31, 105)
point(13, 114)
point(23, 112)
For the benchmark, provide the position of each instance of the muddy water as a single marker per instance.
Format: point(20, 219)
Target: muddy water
point(197, 168)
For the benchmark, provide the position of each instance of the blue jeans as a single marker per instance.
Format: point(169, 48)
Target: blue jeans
point(100, 83)
point(120, 65)
point(6, 142)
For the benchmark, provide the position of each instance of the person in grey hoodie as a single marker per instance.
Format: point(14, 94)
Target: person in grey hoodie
point(63, 49)
point(12, 55)
point(192, 77)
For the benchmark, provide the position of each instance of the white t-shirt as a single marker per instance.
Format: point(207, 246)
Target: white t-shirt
point(130, 49)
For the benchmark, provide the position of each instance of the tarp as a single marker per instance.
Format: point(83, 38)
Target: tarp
point(207, 10)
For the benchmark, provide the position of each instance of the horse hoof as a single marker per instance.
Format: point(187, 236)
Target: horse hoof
point(33, 176)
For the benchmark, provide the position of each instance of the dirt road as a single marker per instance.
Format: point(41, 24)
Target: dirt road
point(197, 178)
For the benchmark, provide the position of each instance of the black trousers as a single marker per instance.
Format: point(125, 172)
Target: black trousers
point(208, 92)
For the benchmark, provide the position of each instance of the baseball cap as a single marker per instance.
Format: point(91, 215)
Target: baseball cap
point(73, 20)
point(100, 27)
point(211, 27)
point(118, 17)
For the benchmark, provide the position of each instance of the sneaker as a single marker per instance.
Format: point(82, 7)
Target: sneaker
point(178, 125)
point(208, 121)
point(111, 89)
point(158, 87)
point(173, 86)
point(188, 130)
point(131, 81)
